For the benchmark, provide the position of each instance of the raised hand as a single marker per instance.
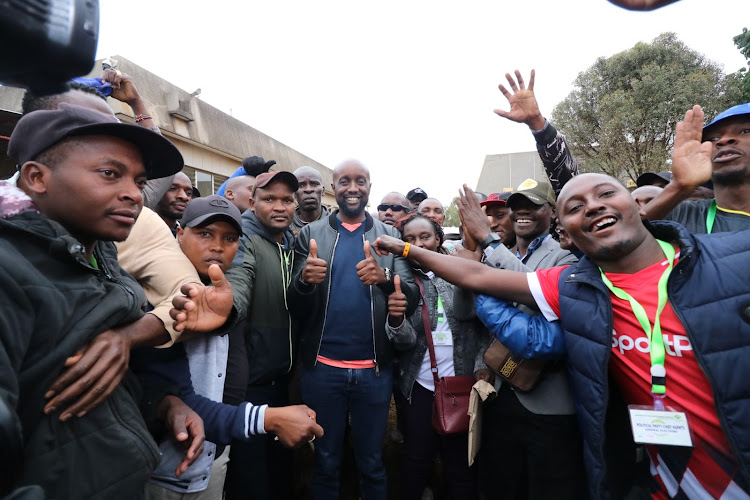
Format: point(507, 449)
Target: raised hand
point(691, 159)
point(203, 308)
point(396, 304)
point(474, 221)
point(123, 88)
point(368, 270)
point(523, 105)
point(315, 269)
point(388, 244)
point(293, 425)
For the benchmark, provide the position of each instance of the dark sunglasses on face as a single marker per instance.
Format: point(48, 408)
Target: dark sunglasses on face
point(396, 208)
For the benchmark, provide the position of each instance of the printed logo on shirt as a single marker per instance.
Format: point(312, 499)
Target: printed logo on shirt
point(675, 345)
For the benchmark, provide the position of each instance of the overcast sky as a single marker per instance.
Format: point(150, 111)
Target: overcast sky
point(407, 87)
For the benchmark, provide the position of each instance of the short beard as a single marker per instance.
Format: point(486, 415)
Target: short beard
point(614, 252)
point(352, 213)
point(730, 177)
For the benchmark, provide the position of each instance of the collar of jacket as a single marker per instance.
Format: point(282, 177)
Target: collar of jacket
point(663, 230)
point(335, 225)
point(251, 225)
point(301, 223)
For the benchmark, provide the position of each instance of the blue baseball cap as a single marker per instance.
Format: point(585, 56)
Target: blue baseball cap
point(740, 109)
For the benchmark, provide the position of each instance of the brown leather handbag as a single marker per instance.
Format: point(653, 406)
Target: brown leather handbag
point(523, 374)
point(450, 409)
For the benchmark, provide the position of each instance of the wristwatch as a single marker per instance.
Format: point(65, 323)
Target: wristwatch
point(489, 240)
point(388, 275)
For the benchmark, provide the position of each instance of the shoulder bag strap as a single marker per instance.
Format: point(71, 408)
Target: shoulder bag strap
point(428, 332)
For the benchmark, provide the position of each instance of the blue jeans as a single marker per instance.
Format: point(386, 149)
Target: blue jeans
point(332, 393)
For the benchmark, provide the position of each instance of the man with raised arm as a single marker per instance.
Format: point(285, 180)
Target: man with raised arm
point(557, 159)
point(720, 152)
point(634, 280)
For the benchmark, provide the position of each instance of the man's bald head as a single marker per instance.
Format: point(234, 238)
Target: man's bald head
point(239, 190)
point(307, 172)
point(351, 186)
point(348, 164)
point(601, 218)
point(645, 194)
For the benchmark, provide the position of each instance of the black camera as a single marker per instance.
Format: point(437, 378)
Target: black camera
point(47, 42)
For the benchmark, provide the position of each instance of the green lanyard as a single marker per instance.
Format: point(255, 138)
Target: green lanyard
point(441, 311)
point(711, 216)
point(658, 372)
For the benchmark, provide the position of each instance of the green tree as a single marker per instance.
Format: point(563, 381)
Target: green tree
point(742, 41)
point(621, 116)
point(451, 215)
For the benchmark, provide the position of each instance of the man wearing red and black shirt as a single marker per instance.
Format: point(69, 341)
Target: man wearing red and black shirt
point(705, 324)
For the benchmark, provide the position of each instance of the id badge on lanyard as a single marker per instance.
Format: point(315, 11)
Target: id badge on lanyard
point(442, 335)
point(655, 424)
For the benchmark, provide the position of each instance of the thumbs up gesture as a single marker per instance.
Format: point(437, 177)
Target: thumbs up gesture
point(368, 270)
point(396, 304)
point(314, 271)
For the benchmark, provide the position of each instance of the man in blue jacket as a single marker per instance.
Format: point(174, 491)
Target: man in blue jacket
point(633, 281)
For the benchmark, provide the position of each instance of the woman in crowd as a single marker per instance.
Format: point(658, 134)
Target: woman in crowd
point(456, 337)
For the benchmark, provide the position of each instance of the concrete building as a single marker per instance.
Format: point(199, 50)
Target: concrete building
point(506, 171)
point(212, 142)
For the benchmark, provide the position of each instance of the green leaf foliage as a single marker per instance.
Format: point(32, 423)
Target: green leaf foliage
point(742, 41)
point(451, 215)
point(621, 116)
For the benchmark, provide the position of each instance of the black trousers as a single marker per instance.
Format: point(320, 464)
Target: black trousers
point(421, 443)
point(529, 456)
point(261, 468)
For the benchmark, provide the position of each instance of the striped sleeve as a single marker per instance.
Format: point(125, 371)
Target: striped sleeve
point(255, 419)
point(543, 284)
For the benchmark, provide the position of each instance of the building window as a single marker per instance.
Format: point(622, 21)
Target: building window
point(204, 182)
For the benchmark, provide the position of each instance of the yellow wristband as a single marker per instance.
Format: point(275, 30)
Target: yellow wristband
point(405, 253)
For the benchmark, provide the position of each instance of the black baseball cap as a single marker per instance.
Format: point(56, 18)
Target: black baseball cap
point(651, 178)
point(202, 210)
point(416, 194)
point(39, 130)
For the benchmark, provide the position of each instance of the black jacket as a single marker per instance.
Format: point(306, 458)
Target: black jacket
point(261, 273)
point(53, 303)
point(309, 303)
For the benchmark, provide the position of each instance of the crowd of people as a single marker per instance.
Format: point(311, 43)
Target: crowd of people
point(159, 344)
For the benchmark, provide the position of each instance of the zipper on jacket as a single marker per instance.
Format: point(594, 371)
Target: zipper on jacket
point(104, 271)
point(286, 280)
point(605, 368)
point(328, 297)
point(372, 323)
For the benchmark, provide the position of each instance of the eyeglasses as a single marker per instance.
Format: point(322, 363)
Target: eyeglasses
point(395, 208)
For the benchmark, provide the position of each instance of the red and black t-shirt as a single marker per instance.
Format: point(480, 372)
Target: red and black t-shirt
point(708, 470)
